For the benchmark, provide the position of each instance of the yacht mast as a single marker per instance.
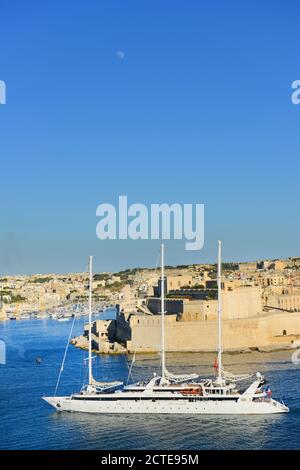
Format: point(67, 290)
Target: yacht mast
point(219, 312)
point(90, 318)
point(162, 312)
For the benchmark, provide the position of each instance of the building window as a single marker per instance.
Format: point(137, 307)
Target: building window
point(284, 332)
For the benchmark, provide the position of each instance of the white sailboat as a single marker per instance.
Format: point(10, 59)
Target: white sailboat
point(170, 394)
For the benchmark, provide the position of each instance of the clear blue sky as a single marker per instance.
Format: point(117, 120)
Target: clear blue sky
point(197, 110)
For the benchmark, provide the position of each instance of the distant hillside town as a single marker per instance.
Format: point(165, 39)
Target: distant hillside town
point(261, 305)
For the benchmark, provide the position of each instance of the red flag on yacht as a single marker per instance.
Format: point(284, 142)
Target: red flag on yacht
point(216, 365)
point(268, 390)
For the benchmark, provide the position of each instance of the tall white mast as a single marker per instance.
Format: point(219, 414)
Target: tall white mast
point(219, 311)
point(90, 318)
point(162, 304)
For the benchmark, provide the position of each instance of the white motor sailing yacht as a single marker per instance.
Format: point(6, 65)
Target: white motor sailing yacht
point(168, 393)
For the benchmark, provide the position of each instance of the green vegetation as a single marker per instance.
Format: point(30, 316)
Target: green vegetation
point(293, 268)
point(230, 266)
point(17, 298)
point(41, 280)
point(81, 297)
point(132, 271)
point(126, 271)
point(13, 298)
point(211, 294)
point(5, 292)
point(226, 267)
point(196, 286)
point(116, 286)
point(179, 266)
point(100, 297)
point(101, 277)
point(213, 274)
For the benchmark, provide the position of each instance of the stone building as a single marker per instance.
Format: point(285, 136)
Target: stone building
point(275, 278)
point(128, 299)
point(284, 301)
point(242, 302)
point(269, 331)
point(2, 311)
point(246, 267)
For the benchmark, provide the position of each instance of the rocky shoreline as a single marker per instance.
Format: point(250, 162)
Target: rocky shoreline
point(107, 347)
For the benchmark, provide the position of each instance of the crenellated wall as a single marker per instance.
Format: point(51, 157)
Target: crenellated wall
point(269, 331)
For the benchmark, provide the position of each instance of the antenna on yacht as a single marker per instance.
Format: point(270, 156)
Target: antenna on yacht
point(162, 312)
point(90, 318)
point(219, 276)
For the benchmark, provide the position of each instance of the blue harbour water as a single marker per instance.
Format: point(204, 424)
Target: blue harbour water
point(26, 422)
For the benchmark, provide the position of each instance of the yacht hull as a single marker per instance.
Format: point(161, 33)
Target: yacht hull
point(156, 406)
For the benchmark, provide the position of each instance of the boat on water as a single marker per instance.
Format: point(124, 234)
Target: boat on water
point(62, 319)
point(169, 393)
point(25, 316)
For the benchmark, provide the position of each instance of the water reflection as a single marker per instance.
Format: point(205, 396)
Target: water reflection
point(169, 431)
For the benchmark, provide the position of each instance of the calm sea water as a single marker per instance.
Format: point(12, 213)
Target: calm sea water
point(26, 422)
